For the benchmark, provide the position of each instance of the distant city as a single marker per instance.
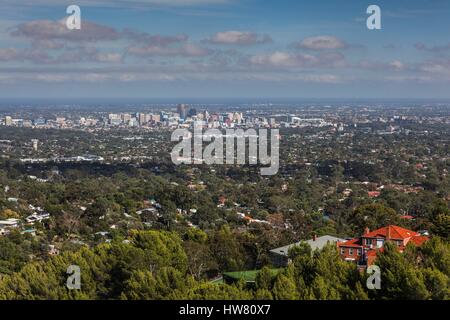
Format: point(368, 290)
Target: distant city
point(260, 116)
point(183, 117)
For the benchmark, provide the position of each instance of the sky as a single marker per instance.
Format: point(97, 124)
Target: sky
point(225, 49)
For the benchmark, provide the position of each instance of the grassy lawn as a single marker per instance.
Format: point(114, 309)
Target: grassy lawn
point(247, 276)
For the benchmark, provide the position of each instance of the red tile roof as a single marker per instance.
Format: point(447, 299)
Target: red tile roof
point(388, 233)
point(391, 232)
point(419, 240)
point(350, 243)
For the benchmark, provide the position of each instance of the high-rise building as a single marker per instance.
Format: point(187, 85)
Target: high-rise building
point(126, 117)
point(142, 119)
point(182, 109)
point(114, 119)
point(8, 121)
point(192, 112)
point(156, 118)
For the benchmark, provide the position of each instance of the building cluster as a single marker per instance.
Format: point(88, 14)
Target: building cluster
point(23, 226)
point(181, 117)
point(185, 117)
point(362, 250)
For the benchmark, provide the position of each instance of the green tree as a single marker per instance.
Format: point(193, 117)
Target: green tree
point(400, 280)
point(284, 288)
point(264, 279)
point(374, 216)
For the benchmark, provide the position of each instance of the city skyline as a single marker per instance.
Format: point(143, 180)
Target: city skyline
point(224, 49)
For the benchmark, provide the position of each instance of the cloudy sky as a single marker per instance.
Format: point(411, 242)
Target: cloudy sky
point(225, 48)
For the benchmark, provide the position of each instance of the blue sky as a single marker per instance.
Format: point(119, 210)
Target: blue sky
point(225, 49)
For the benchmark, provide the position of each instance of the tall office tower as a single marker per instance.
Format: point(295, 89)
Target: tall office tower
point(142, 119)
point(182, 110)
point(35, 143)
point(126, 117)
point(192, 112)
point(114, 118)
point(156, 117)
point(8, 121)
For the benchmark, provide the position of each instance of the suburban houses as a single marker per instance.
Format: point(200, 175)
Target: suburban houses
point(280, 256)
point(363, 250)
point(7, 225)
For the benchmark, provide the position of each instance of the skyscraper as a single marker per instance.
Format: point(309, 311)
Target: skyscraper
point(182, 109)
point(192, 112)
point(143, 119)
point(8, 121)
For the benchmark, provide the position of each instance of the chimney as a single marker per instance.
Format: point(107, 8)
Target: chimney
point(366, 230)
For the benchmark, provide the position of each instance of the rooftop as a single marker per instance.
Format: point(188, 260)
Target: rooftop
point(391, 232)
point(318, 243)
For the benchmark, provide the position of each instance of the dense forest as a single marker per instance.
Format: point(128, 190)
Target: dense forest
point(157, 265)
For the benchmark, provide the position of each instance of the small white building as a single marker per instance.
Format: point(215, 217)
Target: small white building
point(9, 223)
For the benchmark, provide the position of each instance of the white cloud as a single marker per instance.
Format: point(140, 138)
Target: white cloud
point(311, 78)
point(44, 30)
point(185, 50)
point(157, 73)
point(436, 67)
point(282, 59)
point(239, 37)
point(322, 43)
point(397, 65)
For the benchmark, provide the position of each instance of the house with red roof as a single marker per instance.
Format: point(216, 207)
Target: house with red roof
point(374, 194)
point(222, 201)
point(363, 250)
